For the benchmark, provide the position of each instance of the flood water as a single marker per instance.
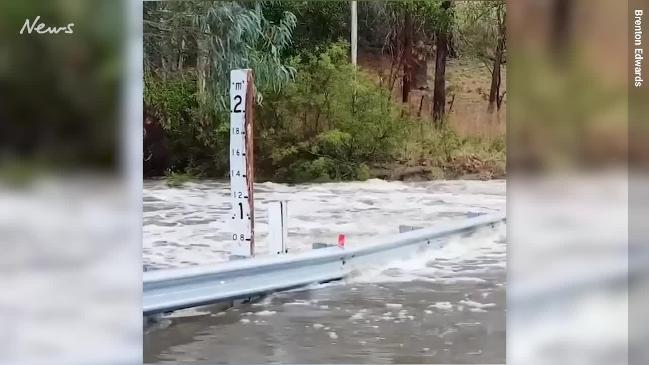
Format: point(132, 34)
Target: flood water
point(447, 306)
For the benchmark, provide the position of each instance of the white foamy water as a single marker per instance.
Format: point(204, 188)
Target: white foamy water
point(412, 310)
point(461, 259)
point(189, 225)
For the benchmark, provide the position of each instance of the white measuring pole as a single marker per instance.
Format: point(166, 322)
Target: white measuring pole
point(277, 227)
point(241, 162)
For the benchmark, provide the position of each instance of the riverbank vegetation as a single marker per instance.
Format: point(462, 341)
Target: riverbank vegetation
point(318, 117)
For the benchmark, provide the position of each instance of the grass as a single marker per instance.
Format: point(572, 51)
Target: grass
point(468, 85)
point(21, 172)
point(472, 144)
point(451, 155)
point(178, 179)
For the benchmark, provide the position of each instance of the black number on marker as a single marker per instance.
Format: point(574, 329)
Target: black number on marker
point(237, 98)
point(236, 152)
point(241, 209)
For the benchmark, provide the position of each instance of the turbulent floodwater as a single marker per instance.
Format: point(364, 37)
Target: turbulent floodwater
point(447, 306)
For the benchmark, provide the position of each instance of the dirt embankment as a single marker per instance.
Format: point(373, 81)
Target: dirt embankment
point(464, 167)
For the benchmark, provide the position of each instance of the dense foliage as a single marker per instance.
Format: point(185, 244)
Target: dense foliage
point(325, 125)
point(330, 123)
point(318, 23)
point(210, 38)
point(317, 118)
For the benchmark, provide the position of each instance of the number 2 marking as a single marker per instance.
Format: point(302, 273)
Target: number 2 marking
point(237, 98)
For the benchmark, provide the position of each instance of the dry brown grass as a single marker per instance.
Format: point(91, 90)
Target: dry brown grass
point(468, 84)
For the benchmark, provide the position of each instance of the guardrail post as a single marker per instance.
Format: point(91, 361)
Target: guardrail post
point(404, 228)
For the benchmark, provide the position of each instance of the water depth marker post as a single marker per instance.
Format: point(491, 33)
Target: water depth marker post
point(277, 227)
point(241, 163)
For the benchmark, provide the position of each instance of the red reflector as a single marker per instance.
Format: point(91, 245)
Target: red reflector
point(341, 240)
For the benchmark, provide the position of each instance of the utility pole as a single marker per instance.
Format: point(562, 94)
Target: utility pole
point(354, 31)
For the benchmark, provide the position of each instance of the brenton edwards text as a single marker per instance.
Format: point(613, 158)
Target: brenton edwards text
point(638, 52)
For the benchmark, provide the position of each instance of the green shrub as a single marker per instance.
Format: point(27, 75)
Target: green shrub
point(316, 170)
point(175, 179)
point(171, 99)
point(333, 120)
point(362, 172)
point(498, 144)
point(198, 138)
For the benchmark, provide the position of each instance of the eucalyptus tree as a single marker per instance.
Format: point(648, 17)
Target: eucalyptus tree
point(416, 30)
point(189, 49)
point(482, 31)
point(218, 36)
point(441, 53)
point(319, 23)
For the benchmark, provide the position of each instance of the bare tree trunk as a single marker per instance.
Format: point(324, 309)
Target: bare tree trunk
point(163, 69)
point(407, 53)
point(439, 92)
point(180, 55)
point(202, 64)
point(562, 24)
point(500, 99)
point(494, 93)
point(421, 104)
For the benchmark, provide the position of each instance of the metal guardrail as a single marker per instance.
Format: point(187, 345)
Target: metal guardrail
point(172, 289)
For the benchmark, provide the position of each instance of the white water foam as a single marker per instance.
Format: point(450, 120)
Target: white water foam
point(461, 259)
point(188, 226)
